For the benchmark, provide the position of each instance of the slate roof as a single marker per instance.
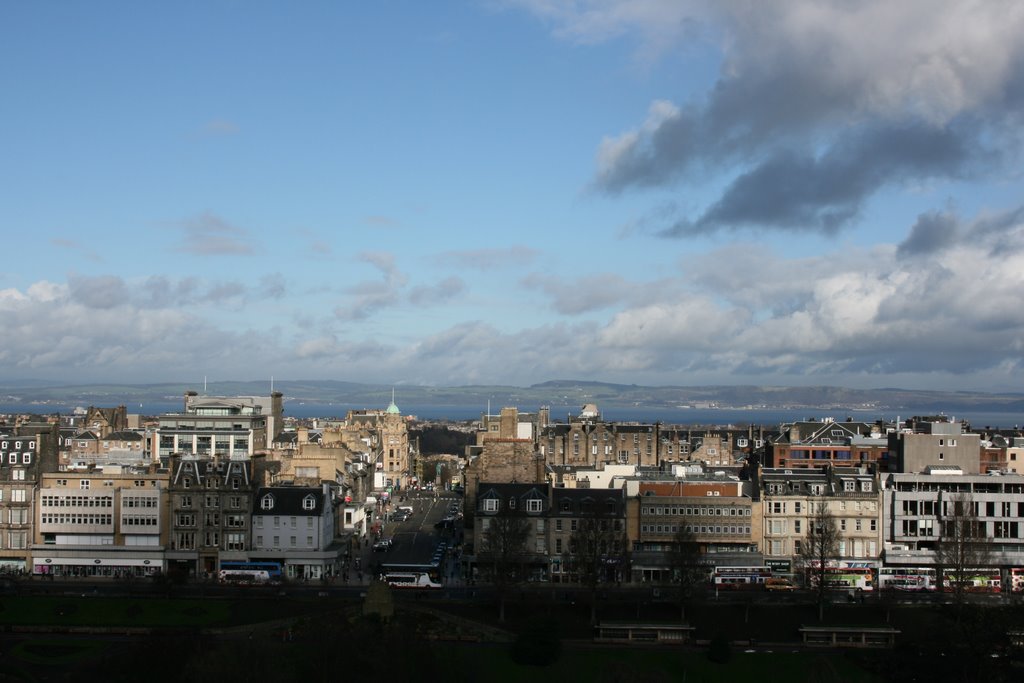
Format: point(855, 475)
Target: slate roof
point(288, 500)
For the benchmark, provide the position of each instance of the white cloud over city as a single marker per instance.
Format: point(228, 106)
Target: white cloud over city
point(656, 191)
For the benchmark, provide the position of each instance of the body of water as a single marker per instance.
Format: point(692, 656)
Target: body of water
point(682, 416)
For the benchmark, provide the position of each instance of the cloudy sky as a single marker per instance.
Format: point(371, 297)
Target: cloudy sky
point(510, 191)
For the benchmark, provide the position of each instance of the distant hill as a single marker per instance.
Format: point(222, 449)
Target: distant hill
point(555, 392)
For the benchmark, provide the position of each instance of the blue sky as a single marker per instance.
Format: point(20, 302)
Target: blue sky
point(658, 192)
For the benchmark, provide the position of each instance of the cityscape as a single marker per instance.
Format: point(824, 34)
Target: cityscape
point(610, 340)
point(232, 497)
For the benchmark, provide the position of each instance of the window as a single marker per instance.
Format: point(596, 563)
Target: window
point(796, 507)
point(558, 525)
point(865, 486)
point(185, 501)
point(292, 541)
point(18, 496)
point(849, 485)
point(309, 502)
point(490, 505)
point(558, 545)
point(874, 525)
point(83, 484)
point(842, 525)
point(796, 526)
point(511, 503)
point(534, 505)
point(267, 503)
point(236, 541)
point(18, 475)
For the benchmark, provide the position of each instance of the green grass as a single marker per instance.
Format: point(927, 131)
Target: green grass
point(144, 612)
point(654, 665)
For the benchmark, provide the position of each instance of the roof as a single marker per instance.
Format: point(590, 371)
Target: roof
point(290, 500)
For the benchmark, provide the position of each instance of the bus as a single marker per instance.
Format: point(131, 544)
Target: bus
point(1017, 579)
point(235, 571)
point(858, 579)
point(410, 580)
point(974, 581)
point(906, 578)
point(740, 578)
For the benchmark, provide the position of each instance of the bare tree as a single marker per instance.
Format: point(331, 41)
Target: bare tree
point(820, 547)
point(689, 570)
point(963, 547)
point(595, 551)
point(504, 550)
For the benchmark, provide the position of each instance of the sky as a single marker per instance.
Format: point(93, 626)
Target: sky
point(664, 192)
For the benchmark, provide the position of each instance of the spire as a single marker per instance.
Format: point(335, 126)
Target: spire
point(393, 409)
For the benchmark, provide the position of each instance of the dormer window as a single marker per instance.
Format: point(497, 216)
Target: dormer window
point(566, 505)
point(512, 503)
point(309, 502)
point(490, 505)
point(534, 505)
point(267, 503)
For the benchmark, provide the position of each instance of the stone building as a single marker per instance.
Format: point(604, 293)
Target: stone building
point(27, 450)
point(210, 501)
point(108, 522)
point(789, 499)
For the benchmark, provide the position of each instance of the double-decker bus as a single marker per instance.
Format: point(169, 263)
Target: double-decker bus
point(236, 571)
point(1016, 579)
point(974, 580)
point(740, 578)
point(410, 580)
point(906, 578)
point(844, 578)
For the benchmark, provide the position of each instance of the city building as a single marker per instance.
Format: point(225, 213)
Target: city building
point(572, 507)
point(934, 443)
point(814, 444)
point(719, 511)
point(26, 452)
point(110, 522)
point(211, 503)
point(789, 504)
point(234, 427)
point(917, 505)
point(295, 527)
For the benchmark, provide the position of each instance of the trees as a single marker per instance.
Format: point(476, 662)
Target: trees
point(687, 565)
point(820, 546)
point(595, 548)
point(504, 548)
point(963, 546)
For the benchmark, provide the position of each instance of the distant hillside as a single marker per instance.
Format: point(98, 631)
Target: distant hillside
point(555, 392)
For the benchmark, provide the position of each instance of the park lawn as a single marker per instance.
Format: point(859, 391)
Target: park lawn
point(110, 612)
point(149, 612)
point(654, 665)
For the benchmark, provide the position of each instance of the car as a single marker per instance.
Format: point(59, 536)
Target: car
point(383, 545)
point(779, 584)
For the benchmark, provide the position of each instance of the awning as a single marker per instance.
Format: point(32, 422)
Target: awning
point(104, 562)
